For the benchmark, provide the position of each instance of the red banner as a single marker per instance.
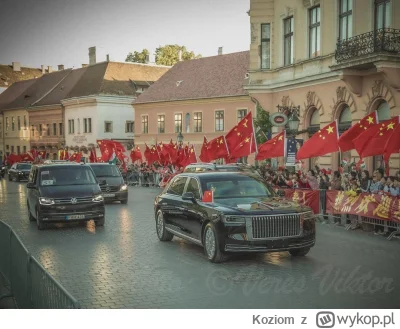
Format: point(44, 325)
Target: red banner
point(379, 206)
point(308, 198)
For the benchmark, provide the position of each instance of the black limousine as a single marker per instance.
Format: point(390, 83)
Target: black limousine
point(232, 212)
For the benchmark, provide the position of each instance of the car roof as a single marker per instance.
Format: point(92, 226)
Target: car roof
point(101, 164)
point(50, 165)
point(216, 174)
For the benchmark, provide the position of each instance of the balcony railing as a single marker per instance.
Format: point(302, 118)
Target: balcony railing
point(379, 41)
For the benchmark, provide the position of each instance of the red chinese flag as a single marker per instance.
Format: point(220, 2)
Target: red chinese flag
point(26, 157)
point(393, 143)
point(373, 140)
point(204, 157)
point(217, 148)
point(244, 129)
point(208, 196)
point(190, 157)
point(245, 147)
point(136, 154)
point(273, 148)
point(151, 155)
point(78, 157)
point(92, 156)
point(346, 140)
point(106, 148)
point(323, 142)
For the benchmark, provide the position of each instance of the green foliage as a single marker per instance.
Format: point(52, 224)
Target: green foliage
point(137, 57)
point(169, 54)
point(262, 125)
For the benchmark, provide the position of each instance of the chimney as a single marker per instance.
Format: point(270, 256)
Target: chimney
point(60, 67)
point(180, 55)
point(108, 58)
point(92, 55)
point(50, 68)
point(16, 66)
point(220, 50)
point(147, 59)
point(43, 69)
point(84, 65)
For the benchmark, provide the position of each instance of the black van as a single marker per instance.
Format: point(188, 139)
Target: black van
point(64, 193)
point(112, 184)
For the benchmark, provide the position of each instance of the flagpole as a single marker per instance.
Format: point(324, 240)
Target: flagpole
point(284, 145)
point(254, 134)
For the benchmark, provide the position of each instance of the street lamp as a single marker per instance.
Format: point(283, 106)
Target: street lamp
point(293, 123)
point(179, 138)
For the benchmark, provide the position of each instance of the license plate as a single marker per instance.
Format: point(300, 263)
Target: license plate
point(107, 195)
point(76, 217)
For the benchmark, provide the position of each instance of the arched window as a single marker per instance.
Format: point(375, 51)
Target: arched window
point(314, 120)
point(383, 111)
point(345, 115)
point(187, 122)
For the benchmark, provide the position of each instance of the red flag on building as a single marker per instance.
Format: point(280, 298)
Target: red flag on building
point(217, 148)
point(373, 140)
point(204, 157)
point(244, 129)
point(322, 142)
point(346, 139)
point(273, 148)
point(393, 144)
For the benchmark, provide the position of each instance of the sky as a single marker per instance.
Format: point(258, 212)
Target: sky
point(54, 32)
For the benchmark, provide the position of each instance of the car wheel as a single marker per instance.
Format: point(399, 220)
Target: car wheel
point(299, 252)
point(162, 233)
point(211, 245)
point(39, 223)
point(124, 201)
point(31, 218)
point(100, 222)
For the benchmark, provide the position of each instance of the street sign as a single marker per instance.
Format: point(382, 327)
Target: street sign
point(278, 119)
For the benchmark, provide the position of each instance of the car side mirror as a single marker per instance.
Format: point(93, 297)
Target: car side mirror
point(281, 193)
point(30, 185)
point(189, 196)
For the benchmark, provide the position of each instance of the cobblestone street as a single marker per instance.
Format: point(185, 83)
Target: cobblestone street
point(124, 265)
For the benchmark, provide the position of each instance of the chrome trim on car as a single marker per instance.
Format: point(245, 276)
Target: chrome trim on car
point(73, 200)
point(252, 248)
point(183, 236)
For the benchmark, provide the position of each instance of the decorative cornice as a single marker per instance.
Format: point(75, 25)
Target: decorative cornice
point(311, 3)
point(98, 99)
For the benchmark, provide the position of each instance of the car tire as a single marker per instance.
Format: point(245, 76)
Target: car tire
point(211, 244)
point(299, 252)
point(162, 233)
point(31, 218)
point(124, 201)
point(40, 225)
point(100, 222)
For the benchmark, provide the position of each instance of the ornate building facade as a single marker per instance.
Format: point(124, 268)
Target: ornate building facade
point(337, 59)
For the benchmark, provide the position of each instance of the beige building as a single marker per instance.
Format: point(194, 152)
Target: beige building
point(336, 59)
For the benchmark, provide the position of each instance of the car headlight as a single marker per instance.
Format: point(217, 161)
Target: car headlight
point(20, 172)
point(98, 198)
point(46, 201)
point(124, 187)
point(233, 219)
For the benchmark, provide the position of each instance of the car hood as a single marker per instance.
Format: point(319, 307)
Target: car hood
point(69, 191)
point(112, 181)
point(258, 206)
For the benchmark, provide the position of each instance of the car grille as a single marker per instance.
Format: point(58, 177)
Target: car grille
point(109, 189)
point(276, 226)
point(69, 200)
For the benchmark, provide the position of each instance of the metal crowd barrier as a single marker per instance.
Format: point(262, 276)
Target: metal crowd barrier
point(139, 179)
point(26, 281)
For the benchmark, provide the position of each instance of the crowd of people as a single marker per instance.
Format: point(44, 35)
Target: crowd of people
point(150, 175)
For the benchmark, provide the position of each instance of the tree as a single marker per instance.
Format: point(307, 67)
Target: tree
point(169, 54)
point(137, 57)
point(262, 125)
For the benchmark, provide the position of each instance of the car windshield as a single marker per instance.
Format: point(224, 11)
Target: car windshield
point(238, 187)
point(106, 171)
point(25, 166)
point(60, 176)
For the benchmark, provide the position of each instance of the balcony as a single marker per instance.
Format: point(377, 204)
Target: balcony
point(362, 50)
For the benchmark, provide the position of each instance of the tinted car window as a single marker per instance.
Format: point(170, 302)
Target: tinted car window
point(106, 171)
point(193, 187)
point(59, 176)
point(24, 166)
point(177, 186)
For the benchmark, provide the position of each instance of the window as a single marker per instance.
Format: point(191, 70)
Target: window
point(265, 50)
point(145, 124)
point(219, 121)
point(314, 34)
point(40, 130)
point(241, 114)
point(161, 123)
point(71, 126)
point(79, 126)
point(12, 148)
point(7, 124)
point(345, 19)
point(18, 149)
point(54, 129)
point(288, 41)
point(12, 123)
point(87, 125)
point(24, 149)
point(178, 122)
point(383, 111)
point(7, 147)
point(25, 122)
point(108, 126)
point(19, 123)
point(60, 129)
point(193, 187)
point(383, 14)
point(177, 186)
point(48, 129)
point(129, 126)
point(32, 131)
point(198, 122)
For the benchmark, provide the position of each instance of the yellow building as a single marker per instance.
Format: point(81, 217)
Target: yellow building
point(336, 59)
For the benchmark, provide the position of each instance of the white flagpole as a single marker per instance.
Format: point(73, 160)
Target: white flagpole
point(254, 134)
